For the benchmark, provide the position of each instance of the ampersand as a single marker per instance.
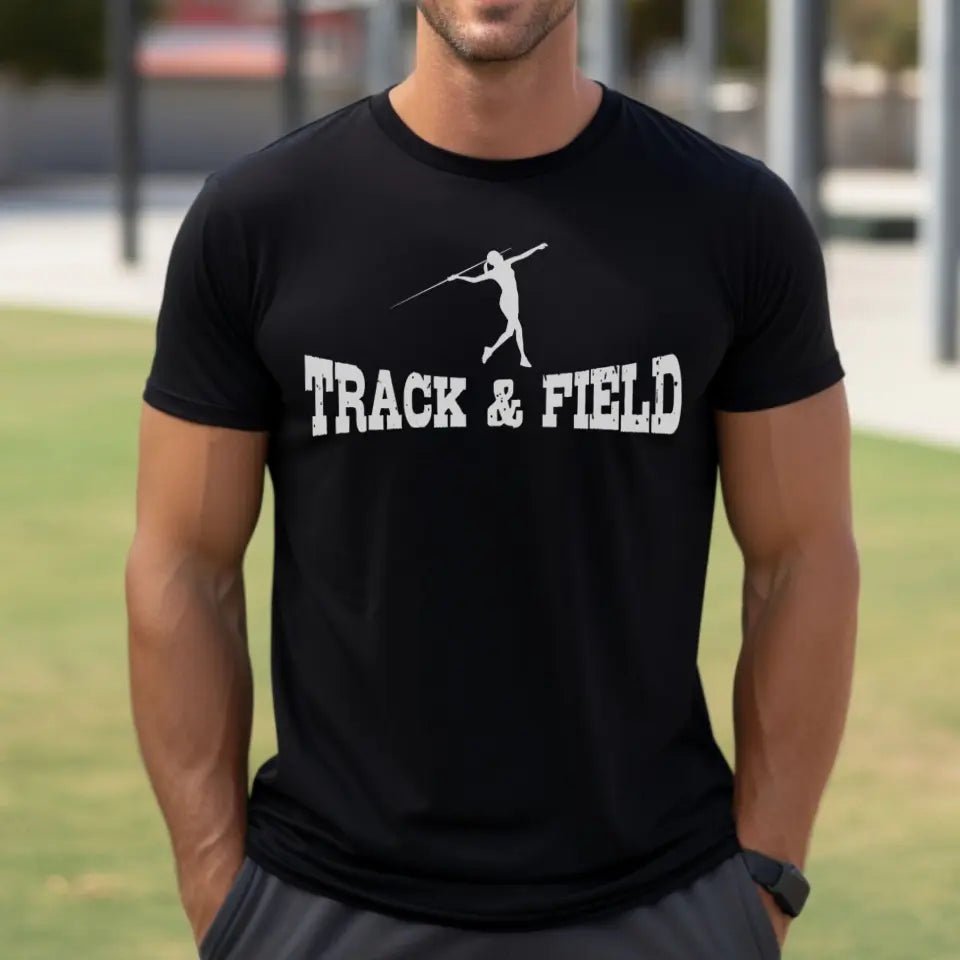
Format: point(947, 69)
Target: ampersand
point(504, 411)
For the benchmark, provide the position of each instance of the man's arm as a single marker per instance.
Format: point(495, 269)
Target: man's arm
point(198, 499)
point(786, 485)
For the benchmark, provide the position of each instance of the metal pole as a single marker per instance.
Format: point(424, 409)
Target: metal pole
point(383, 44)
point(926, 114)
point(603, 26)
point(292, 87)
point(795, 98)
point(941, 154)
point(702, 26)
point(122, 27)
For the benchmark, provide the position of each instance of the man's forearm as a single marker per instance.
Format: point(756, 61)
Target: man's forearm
point(192, 702)
point(792, 690)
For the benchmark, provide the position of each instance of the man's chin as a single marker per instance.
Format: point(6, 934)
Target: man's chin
point(493, 30)
point(492, 43)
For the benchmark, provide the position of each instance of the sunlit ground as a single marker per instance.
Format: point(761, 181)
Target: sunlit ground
point(84, 864)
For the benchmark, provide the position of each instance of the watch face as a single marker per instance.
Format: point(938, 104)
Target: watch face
point(788, 886)
point(791, 890)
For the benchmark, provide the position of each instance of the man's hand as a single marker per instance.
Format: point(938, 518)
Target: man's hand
point(778, 919)
point(203, 892)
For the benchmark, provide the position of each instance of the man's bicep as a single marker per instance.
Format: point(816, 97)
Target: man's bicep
point(199, 487)
point(785, 474)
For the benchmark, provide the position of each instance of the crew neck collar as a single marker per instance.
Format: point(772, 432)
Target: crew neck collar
point(486, 168)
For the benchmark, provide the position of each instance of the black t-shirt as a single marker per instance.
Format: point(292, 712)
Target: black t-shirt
point(493, 494)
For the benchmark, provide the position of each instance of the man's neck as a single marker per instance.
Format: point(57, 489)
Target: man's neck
point(499, 111)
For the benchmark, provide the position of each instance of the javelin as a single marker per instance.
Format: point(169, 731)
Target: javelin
point(446, 279)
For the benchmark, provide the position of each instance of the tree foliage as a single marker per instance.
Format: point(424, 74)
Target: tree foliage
point(55, 38)
point(655, 23)
point(884, 32)
point(52, 38)
point(744, 45)
point(875, 31)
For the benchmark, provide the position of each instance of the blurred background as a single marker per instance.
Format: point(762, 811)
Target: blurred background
point(111, 114)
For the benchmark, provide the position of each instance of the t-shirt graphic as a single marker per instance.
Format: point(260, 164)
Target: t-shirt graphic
point(500, 269)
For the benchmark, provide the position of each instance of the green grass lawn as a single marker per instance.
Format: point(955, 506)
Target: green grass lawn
point(84, 864)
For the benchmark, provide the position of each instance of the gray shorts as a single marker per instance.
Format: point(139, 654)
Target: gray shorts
point(720, 916)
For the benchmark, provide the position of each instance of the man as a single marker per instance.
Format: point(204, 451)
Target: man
point(492, 738)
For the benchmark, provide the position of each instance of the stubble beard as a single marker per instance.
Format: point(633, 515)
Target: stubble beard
point(519, 43)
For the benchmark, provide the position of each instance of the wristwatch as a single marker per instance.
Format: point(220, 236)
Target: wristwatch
point(784, 881)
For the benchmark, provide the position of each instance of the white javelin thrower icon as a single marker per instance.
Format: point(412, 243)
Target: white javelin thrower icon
point(498, 268)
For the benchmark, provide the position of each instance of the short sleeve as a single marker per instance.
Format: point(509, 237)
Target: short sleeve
point(205, 366)
point(782, 348)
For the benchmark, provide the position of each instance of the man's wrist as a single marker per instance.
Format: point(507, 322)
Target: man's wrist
point(783, 880)
point(773, 838)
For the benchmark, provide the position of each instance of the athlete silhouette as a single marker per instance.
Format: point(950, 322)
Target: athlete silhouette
point(497, 267)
